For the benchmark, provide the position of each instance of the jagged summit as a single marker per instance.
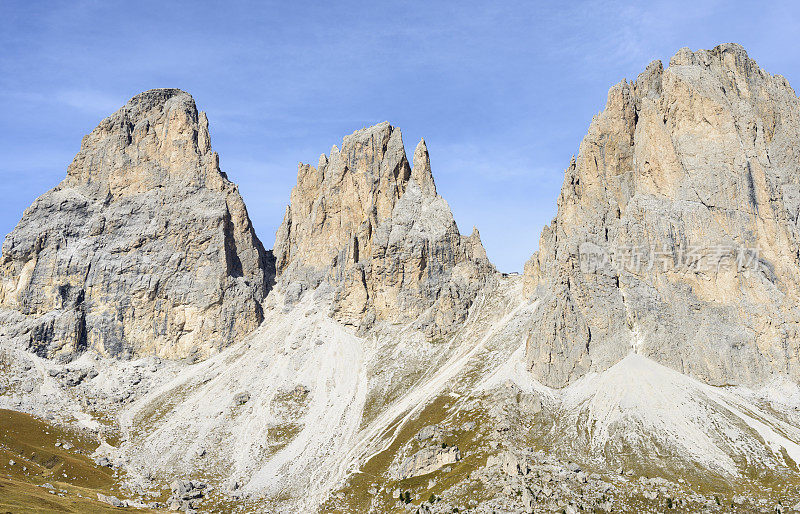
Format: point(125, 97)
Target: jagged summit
point(732, 56)
point(676, 235)
point(373, 227)
point(145, 247)
point(448, 395)
point(157, 138)
point(145, 102)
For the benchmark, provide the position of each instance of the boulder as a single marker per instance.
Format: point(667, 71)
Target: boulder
point(427, 461)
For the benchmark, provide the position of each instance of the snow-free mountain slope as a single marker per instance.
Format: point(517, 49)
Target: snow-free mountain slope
point(645, 361)
point(145, 248)
point(367, 223)
point(676, 234)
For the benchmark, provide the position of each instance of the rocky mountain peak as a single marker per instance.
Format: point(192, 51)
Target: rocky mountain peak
point(670, 273)
point(727, 56)
point(145, 247)
point(676, 235)
point(368, 224)
point(158, 138)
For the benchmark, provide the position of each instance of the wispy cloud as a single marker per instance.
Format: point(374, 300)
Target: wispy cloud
point(90, 101)
point(490, 163)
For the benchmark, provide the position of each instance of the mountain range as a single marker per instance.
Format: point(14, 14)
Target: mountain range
point(376, 361)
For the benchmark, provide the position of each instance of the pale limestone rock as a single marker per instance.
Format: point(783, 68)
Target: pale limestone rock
point(509, 463)
point(703, 155)
point(374, 228)
point(428, 460)
point(144, 248)
point(112, 500)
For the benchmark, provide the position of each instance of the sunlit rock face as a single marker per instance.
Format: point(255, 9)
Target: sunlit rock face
point(689, 182)
point(372, 228)
point(145, 248)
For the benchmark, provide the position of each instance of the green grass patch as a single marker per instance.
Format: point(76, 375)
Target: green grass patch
point(31, 443)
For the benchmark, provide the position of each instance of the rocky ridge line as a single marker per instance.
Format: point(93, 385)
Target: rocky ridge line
point(373, 230)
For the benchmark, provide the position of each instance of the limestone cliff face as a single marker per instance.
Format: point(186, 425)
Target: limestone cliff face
point(145, 247)
point(372, 227)
point(689, 181)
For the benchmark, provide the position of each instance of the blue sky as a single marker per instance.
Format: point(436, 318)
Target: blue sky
point(503, 92)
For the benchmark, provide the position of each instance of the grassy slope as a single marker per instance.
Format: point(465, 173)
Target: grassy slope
point(31, 443)
point(771, 486)
point(356, 497)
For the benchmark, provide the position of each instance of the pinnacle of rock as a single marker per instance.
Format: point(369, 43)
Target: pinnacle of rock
point(368, 224)
point(689, 181)
point(421, 172)
point(158, 137)
point(144, 248)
